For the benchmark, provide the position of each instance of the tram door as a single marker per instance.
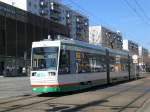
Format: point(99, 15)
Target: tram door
point(1, 68)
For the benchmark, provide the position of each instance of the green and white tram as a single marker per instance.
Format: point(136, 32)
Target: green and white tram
point(69, 65)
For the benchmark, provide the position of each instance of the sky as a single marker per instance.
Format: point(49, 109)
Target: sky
point(132, 20)
point(19, 3)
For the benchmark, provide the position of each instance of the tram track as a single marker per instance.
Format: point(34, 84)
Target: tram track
point(19, 106)
point(15, 106)
point(26, 97)
point(17, 99)
point(131, 102)
point(134, 100)
point(79, 107)
point(76, 108)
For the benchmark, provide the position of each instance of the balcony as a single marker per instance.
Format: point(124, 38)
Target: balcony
point(55, 7)
point(43, 4)
point(43, 12)
point(55, 17)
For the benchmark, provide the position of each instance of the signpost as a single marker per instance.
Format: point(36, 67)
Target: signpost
point(135, 59)
point(135, 62)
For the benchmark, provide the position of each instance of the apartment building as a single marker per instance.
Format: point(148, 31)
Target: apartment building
point(105, 37)
point(143, 56)
point(55, 11)
point(18, 29)
point(131, 46)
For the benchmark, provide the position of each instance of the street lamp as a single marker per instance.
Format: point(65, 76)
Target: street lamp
point(25, 63)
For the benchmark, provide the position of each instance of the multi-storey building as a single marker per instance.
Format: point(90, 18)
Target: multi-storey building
point(131, 46)
point(18, 29)
point(55, 11)
point(143, 56)
point(133, 49)
point(77, 23)
point(105, 37)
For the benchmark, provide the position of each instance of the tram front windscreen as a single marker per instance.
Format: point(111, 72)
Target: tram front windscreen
point(44, 58)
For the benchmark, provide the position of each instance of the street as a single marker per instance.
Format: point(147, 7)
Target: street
point(15, 86)
point(16, 96)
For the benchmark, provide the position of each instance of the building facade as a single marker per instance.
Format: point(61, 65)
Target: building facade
point(105, 37)
point(143, 56)
point(131, 46)
point(18, 29)
point(55, 11)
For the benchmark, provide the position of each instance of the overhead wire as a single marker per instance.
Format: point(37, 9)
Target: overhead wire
point(144, 19)
point(93, 15)
point(137, 13)
point(142, 10)
point(144, 14)
point(145, 22)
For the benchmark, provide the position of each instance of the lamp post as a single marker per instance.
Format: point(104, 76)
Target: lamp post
point(135, 62)
point(25, 63)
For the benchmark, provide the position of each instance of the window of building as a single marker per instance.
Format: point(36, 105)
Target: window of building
point(35, 6)
point(29, 3)
point(42, 3)
point(68, 15)
point(86, 23)
point(78, 19)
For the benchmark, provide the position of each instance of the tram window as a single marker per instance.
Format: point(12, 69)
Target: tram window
point(45, 58)
point(118, 65)
point(91, 63)
point(64, 62)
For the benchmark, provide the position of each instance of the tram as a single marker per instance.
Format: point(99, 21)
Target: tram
point(70, 65)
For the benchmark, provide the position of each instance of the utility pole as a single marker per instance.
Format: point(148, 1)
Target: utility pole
point(108, 66)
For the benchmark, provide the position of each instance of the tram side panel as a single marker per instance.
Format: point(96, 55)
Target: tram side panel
point(89, 70)
point(133, 70)
point(118, 68)
point(84, 70)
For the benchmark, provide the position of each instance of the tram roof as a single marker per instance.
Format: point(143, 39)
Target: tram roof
point(81, 44)
point(96, 47)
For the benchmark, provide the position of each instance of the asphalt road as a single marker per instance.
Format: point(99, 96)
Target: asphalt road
point(14, 86)
point(16, 96)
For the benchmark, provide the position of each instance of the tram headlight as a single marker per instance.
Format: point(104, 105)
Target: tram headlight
point(34, 73)
point(52, 73)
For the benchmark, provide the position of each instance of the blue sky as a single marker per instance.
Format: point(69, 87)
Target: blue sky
point(117, 15)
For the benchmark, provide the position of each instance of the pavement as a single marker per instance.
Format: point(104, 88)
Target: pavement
point(14, 86)
point(145, 107)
